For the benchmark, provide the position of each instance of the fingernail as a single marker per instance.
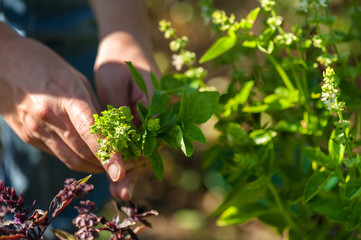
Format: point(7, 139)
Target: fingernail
point(114, 172)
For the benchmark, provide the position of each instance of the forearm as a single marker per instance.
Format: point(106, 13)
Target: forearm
point(124, 16)
point(123, 32)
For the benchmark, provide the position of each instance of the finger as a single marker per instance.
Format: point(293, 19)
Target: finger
point(125, 188)
point(69, 157)
point(81, 115)
point(53, 120)
point(74, 141)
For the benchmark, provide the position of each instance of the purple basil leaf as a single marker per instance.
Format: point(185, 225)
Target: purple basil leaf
point(65, 196)
point(126, 223)
point(38, 217)
point(11, 230)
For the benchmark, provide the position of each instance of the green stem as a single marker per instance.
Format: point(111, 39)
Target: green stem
point(301, 87)
point(281, 208)
point(357, 123)
point(347, 143)
point(282, 73)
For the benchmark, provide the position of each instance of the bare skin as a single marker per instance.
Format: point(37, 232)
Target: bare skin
point(50, 105)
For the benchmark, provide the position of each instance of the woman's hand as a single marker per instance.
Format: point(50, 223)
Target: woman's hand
point(49, 104)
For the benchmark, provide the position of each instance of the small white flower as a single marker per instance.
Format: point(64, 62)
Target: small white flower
point(324, 96)
point(329, 95)
point(177, 62)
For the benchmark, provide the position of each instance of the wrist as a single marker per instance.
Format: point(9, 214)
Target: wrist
point(127, 16)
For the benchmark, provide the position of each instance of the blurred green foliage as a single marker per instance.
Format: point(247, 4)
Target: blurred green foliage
point(288, 145)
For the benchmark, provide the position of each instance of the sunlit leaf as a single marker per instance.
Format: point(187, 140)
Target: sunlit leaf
point(315, 184)
point(336, 144)
point(248, 22)
point(221, 46)
point(241, 213)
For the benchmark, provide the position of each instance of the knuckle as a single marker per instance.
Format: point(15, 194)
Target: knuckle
point(35, 127)
point(83, 126)
point(44, 111)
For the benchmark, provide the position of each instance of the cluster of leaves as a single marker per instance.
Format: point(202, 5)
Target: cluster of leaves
point(178, 105)
point(290, 123)
point(30, 223)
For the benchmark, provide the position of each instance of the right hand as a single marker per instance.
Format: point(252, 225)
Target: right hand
point(49, 104)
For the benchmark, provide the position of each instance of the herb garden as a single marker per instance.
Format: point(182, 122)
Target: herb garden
point(288, 126)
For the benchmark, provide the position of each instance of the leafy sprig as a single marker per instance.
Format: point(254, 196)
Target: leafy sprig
point(163, 122)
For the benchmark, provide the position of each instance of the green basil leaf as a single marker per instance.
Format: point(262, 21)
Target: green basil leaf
point(353, 188)
point(336, 145)
point(248, 22)
point(149, 143)
point(194, 133)
point(197, 107)
point(221, 46)
point(241, 214)
point(316, 155)
point(232, 104)
point(168, 118)
point(155, 80)
point(333, 209)
point(159, 103)
point(314, 185)
point(142, 110)
point(169, 140)
point(138, 79)
point(157, 165)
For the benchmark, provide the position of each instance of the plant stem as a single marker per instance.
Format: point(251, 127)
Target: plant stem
point(281, 208)
point(282, 73)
